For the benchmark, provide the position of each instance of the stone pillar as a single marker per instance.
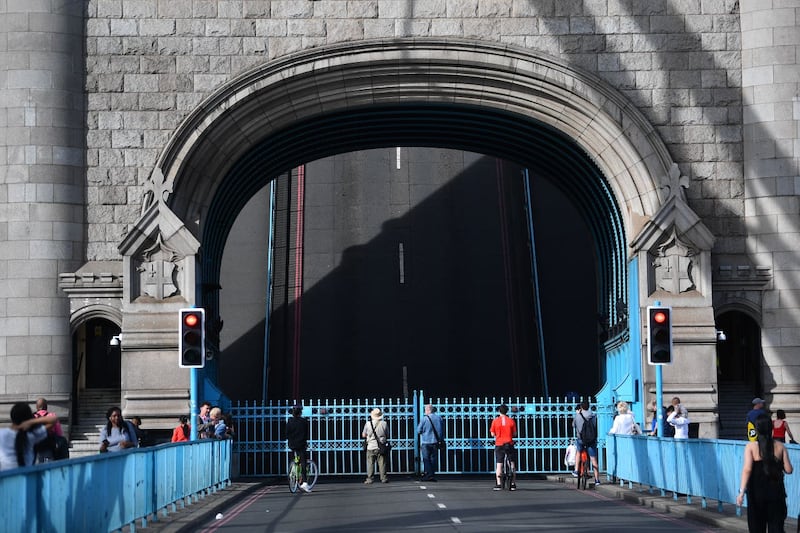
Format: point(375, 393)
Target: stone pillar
point(771, 120)
point(42, 167)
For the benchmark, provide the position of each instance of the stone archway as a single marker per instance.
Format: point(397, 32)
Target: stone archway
point(351, 76)
point(297, 109)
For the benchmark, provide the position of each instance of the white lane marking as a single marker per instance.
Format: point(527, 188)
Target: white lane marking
point(423, 487)
point(402, 262)
point(455, 520)
point(430, 495)
point(441, 506)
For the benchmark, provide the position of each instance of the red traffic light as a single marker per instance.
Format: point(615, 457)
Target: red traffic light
point(191, 320)
point(659, 317)
point(191, 340)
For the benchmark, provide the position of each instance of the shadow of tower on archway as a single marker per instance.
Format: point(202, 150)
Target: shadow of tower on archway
point(419, 278)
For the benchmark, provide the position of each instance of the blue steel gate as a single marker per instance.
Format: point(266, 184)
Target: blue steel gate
point(544, 431)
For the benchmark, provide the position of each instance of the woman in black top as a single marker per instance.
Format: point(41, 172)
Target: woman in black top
point(765, 462)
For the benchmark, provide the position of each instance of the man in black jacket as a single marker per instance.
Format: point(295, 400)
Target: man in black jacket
point(297, 429)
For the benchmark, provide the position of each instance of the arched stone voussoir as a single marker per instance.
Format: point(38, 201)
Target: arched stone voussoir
point(467, 74)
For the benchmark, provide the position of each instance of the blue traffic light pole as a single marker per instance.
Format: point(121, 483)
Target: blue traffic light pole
point(193, 395)
point(659, 404)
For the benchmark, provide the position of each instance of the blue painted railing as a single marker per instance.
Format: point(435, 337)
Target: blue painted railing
point(107, 492)
point(544, 432)
point(702, 468)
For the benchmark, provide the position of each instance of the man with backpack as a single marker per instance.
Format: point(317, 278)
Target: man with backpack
point(585, 425)
point(55, 446)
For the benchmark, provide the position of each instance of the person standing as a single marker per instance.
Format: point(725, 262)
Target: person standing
point(431, 432)
point(205, 428)
point(142, 438)
point(765, 462)
point(117, 434)
point(297, 433)
point(183, 431)
point(585, 426)
point(571, 456)
point(219, 429)
point(780, 427)
point(755, 412)
point(375, 429)
point(504, 429)
point(55, 446)
point(624, 423)
point(17, 442)
point(679, 408)
point(678, 420)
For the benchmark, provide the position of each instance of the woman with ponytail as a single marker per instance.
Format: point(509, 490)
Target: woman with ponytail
point(17, 442)
point(765, 462)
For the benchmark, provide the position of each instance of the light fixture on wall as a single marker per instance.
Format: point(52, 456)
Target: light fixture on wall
point(116, 340)
point(721, 336)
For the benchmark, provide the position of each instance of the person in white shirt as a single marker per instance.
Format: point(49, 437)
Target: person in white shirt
point(571, 455)
point(17, 441)
point(680, 422)
point(624, 422)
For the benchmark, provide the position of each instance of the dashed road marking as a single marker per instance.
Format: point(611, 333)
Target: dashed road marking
point(455, 520)
point(441, 506)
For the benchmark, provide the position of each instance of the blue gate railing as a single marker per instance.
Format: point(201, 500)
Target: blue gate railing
point(110, 491)
point(544, 432)
point(703, 468)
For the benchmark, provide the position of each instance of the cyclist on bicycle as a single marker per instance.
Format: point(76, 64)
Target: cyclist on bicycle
point(586, 438)
point(297, 430)
point(504, 429)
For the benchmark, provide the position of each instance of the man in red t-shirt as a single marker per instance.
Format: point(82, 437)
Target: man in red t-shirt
point(504, 429)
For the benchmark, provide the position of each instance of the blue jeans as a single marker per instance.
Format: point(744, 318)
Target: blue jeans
point(430, 459)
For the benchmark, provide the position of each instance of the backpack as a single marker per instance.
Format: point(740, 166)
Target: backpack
point(52, 448)
point(588, 433)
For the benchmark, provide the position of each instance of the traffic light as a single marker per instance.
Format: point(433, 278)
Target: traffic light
point(659, 335)
point(192, 341)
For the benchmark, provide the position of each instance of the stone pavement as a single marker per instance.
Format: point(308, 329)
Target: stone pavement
point(204, 510)
point(639, 495)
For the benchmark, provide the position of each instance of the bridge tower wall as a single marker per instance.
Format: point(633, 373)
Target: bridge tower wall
point(42, 194)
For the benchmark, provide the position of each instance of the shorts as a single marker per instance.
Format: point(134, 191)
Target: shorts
point(506, 449)
point(591, 450)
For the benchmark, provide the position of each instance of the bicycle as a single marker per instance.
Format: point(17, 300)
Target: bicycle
point(507, 473)
point(584, 470)
point(296, 473)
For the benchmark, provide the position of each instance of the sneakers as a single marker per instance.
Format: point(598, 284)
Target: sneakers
point(367, 481)
point(497, 487)
point(305, 487)
point(596, 482)
point(574, 473)
point(513, 486)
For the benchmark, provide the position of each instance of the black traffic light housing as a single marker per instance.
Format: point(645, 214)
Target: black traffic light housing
point(192, 340)
point(659, 335)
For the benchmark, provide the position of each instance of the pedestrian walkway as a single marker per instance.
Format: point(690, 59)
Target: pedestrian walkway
point(202, 512)
point(726, 520)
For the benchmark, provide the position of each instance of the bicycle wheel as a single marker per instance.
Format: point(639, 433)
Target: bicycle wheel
point(507, 477)
point(294, 477)
point(583, 481)
point(311, 473)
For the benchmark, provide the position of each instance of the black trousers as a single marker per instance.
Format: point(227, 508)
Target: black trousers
point(766, 516)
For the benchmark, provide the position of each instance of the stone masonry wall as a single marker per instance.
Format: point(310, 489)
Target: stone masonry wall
point(41, 192)
point(771, 92)
point(151, 62)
